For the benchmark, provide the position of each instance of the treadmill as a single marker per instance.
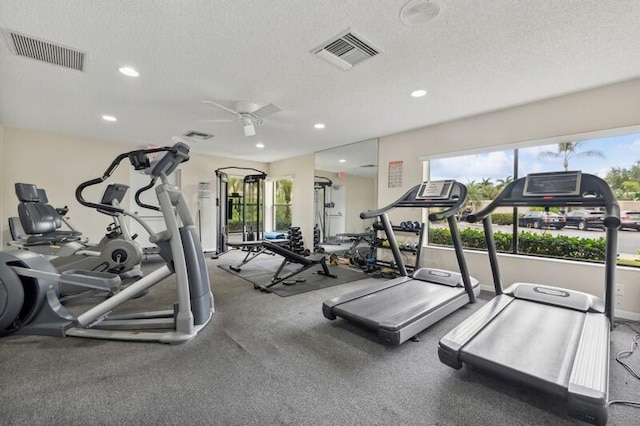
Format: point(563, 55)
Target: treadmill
point(550, 338)
point(400, 308)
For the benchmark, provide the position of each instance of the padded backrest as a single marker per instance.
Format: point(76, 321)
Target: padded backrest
point(27, 192)
point(35, 217)
point(44, 200)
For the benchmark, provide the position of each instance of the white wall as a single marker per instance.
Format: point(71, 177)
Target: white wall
point(301, 170)
point(610, 108)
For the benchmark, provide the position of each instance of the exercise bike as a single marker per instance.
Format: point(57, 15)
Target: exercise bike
point(30, 284)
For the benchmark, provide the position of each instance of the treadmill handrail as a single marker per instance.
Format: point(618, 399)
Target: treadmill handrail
point(594, 192)
point(602, 196)
point(409, 200)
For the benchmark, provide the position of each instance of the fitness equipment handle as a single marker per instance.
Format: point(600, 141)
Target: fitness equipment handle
point(139, 193)
point(139, 161)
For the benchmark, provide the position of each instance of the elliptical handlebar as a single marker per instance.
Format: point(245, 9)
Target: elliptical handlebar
point(139, 193)
point(139, 159)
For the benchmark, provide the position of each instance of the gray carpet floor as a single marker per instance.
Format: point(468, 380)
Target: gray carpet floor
point(267, 360)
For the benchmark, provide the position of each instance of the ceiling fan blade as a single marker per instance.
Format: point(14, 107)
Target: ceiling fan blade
point(266, 110)
point(228, 120)
point(249, 129)
point(221, 107)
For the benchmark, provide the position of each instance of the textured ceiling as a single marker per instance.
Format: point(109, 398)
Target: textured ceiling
point(472, 58)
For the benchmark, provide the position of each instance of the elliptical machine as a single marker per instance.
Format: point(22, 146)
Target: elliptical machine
point(30, 285)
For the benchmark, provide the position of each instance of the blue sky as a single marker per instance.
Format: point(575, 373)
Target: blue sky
point(619, 151)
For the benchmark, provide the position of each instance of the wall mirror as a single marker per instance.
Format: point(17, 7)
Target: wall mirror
point(346, 184)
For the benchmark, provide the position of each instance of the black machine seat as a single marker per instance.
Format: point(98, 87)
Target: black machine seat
point(40, 220)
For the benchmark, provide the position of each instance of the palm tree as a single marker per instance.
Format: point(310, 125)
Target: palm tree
point(501, 183)
point(474, 195)
point(567, 150)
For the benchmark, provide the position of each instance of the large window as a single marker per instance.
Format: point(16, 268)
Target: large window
point(564, 233)
point(282, 204)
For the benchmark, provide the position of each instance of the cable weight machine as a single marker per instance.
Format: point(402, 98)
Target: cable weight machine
point(249, 204)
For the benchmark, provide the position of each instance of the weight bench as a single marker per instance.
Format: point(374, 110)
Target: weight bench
point(291, 257)
point(253, 249)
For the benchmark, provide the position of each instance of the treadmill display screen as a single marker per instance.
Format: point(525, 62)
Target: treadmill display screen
point(552, 184)
point(435, 190)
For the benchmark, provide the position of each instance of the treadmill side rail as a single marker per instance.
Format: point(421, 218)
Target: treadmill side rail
point(450, 345)
point(589, 381)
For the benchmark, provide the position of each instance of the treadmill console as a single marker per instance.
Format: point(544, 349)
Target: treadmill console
point(435, 190)
point(552, 184)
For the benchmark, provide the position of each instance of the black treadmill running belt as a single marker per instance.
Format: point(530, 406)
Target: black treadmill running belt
point(397, 306)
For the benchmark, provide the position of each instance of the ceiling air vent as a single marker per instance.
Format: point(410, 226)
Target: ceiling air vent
point(198, 135)
point(45, 51)
point(346, 50)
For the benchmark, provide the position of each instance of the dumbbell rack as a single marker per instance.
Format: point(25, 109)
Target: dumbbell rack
point(417, 251)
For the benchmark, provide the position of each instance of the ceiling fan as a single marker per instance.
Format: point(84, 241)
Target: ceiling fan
point(246, 113)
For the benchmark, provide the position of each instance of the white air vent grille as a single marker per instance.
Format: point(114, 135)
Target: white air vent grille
point(346, 50)
point(45, 51)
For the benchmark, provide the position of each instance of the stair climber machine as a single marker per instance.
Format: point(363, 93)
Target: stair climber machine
point(400, 308)
point(30, 285)
point(550, 338)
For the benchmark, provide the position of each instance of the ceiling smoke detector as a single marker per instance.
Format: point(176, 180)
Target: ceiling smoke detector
point(419, 12)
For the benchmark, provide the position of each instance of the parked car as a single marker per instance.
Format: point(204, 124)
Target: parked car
point(541, 220)
point(585, 219)
point(630, 220)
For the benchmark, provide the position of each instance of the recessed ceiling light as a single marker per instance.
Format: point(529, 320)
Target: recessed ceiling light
point(418, 93)
point(109, 118)
point(319, 126)
point(128, 71)
point(342, 160)
point(259, 145)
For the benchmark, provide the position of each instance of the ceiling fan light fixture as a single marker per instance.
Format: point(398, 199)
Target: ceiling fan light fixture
point(249, 129)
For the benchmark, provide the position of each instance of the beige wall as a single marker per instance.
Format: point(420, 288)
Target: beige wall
point(361, 196)
point(614, 108)
point(59, 163)
point(300, 169)
point(2, 172)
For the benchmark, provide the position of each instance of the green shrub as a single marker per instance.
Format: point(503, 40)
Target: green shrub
point(502, 218)
point(539, 244)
